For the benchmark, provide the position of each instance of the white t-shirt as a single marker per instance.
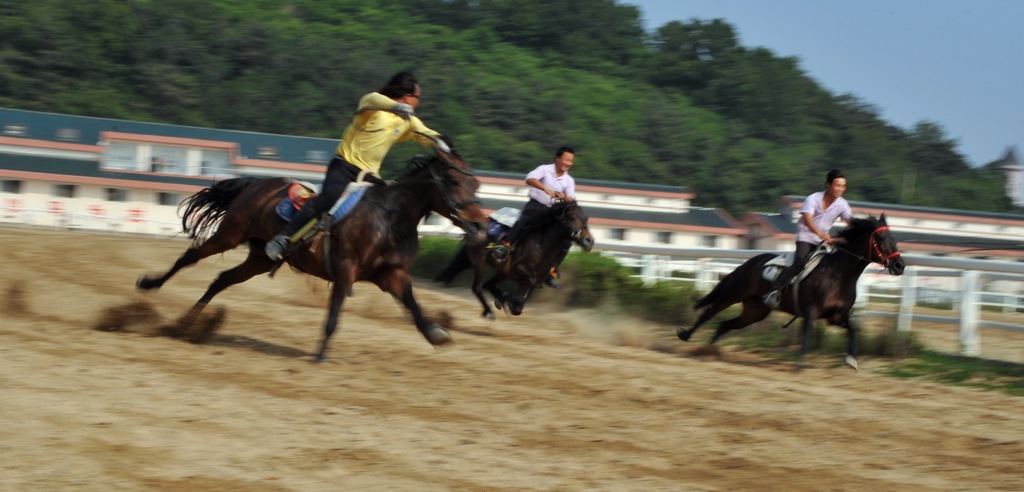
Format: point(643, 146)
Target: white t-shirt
point(545, 173)
point(823, 219)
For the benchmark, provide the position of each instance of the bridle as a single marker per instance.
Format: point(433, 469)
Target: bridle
point(436, 177)
point(874, 251)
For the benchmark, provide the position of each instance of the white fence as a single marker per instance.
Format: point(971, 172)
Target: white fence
point(962, 286)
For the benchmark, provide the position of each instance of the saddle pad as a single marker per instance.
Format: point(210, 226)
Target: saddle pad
point(506, 216)
point(353, 193)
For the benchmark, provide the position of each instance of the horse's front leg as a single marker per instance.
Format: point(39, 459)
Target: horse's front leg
point(478, 289)
point(852, 334)
point(399, 285)
point(500, 297)
point(338, 293)
point(810, 317)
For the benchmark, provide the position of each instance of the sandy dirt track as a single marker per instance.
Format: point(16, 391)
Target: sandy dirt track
point(543, 402)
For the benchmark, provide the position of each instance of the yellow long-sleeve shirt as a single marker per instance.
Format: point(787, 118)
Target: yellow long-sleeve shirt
point(371, 135)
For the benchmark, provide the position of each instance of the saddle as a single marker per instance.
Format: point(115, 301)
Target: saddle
point(773, 267)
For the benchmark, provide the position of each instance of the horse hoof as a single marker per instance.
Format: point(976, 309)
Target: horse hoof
point(144, 283)
point(489, 315)
point(683, 335)
point(852, 362)
point(437, 336)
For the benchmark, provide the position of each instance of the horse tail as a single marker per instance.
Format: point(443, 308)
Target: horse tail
point(201, 212)
point(459, 263)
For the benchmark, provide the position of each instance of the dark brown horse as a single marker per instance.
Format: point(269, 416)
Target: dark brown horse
point(377, 241)
point(527, 263)
point(828, 292)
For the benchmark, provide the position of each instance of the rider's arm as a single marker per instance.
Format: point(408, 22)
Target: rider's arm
point(420, 133)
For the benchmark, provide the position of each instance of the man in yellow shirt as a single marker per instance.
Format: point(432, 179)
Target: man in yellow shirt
point(383, 118)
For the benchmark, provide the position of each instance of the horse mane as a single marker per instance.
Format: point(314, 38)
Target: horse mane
point(858, 227)
point(416, 163)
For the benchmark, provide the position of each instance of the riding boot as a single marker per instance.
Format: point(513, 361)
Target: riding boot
point(280, 243)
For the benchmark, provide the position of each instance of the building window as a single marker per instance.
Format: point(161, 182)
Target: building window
point(64, 190)
point(117, 195)
point(266, 151)
point(120, 155)
point(709, 241)
point(15, 130)
point(12, 186)
point(663, 237)
point(617, 234)
point(215, 163)
point(165, 198)
point(69, 134)
point(173, 160)
point(316, 156)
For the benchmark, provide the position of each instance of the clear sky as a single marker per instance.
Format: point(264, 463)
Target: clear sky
point(958, 63)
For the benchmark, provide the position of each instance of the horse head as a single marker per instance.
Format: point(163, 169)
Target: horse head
point(457, 201)
point(881, 246)
point(572, 217)
point(884, 249)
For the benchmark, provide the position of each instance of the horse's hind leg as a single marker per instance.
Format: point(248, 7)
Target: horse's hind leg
point(256, 263)
point(715, 308)
point(219, 242)
point(753, 311)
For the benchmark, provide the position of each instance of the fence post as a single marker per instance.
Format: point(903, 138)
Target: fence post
point(969, 312)
point(908, 299)
point(649, 269)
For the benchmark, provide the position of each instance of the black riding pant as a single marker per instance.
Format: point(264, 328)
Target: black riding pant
point(339, 174)
point(803, 251)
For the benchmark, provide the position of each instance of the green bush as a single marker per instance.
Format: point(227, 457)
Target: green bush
point(434, 255)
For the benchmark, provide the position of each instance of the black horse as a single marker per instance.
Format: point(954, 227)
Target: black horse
point(377, 241)
point(528, 263)
point(828, 292)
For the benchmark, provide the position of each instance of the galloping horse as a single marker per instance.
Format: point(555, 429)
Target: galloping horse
point(828, 292)
point(377, 241)
point(528, 263)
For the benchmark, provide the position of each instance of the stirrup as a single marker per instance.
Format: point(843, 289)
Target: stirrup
point(772, 299)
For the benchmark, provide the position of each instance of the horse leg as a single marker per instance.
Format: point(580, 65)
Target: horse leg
point(338, 293)
point(810, 314)
point(753, 311)
point(399, 285)
point(478, 281)
point(715, 308)
point(255, 264)
point(500, 298)
point(217, 243)
point(852, 333)
point(516, 305)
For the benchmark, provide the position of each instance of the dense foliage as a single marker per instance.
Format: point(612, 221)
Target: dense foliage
point(509, 80)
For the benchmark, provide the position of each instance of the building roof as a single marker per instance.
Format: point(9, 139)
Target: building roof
point(52, 127)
